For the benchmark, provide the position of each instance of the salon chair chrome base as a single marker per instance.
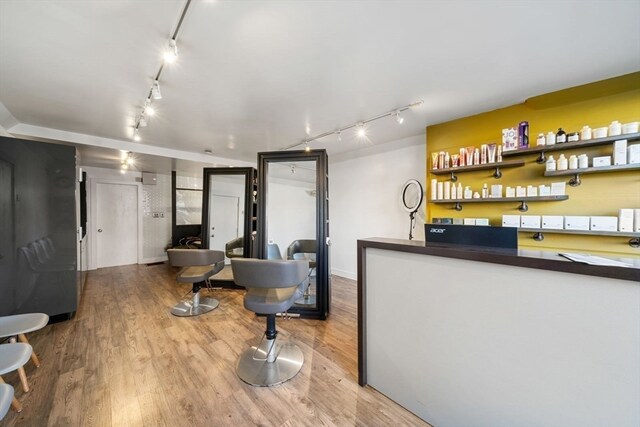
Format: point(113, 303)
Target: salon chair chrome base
point(195, 306)
point(254, 369)
point(306, 300)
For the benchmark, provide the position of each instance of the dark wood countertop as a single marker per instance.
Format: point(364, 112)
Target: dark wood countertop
point(520, 258)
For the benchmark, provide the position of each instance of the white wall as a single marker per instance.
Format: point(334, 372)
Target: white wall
point(364, 197)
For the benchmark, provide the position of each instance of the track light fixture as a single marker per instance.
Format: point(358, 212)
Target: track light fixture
point(171, 54)
point(360, 126)
point(130, 161)
point(307, 148)
point(155, 90)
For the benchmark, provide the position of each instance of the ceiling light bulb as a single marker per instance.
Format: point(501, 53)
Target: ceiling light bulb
point(142, 121)
point(307, 148)
point(148, 109)
point(136, 135)
point(155, 90)
point(171, 54)
point(399, 118)
point(124, 165)
point(361, 131)
point(339, 135)
point(130, 160)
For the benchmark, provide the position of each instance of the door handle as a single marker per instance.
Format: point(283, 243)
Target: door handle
point(99, 230)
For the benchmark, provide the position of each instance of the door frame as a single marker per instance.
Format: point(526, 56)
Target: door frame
point(93, 217)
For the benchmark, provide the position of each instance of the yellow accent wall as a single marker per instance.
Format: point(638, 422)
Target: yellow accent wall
point(599, 194)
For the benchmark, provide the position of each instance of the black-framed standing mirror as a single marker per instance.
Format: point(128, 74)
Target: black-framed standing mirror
point(186, 205)
point(293, 220)
point(229, 215)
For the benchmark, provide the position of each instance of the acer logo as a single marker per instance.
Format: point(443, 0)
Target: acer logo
point(437, 230)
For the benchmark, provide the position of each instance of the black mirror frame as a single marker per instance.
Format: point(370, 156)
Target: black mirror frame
point(323, 278)
point(249, 225)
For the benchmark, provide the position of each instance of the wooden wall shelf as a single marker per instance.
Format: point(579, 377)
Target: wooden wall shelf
point(496, 165)
point(538, 234)
point(575, 181)
point(541, 149)
point(522, 200)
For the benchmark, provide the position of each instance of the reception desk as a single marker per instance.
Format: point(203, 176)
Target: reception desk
point(465, 337)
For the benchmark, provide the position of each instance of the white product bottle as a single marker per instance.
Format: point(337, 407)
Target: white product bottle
point(551, 138)
point(467, 193)
point(454, 192)
point(573, 162)
point(585, 133)
point(447, 190)
point(563, 164)
point(615, 128)
point(485, 191)
point(583, 161)
point(434, 189)
point(541, 140)
point(551, 164)
point(459, 190)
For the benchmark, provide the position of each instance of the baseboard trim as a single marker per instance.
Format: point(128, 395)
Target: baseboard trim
point(343, 273)
point(152, 260)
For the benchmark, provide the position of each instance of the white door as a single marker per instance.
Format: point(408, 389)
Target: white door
point(223, 220)
point(117, 224)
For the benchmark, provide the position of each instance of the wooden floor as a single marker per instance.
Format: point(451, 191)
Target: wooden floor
point(124, 360)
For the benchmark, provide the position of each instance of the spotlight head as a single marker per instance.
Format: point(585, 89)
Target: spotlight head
point(155, 90)
point(142, 121)
point(399, 118)
point(136, 135)
point(339, 133)
point(148, 109)
point(361, 132)
point(171, 54)
point(130, 160)
point(307, 148)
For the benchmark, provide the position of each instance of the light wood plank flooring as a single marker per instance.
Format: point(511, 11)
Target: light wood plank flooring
point(124, 360)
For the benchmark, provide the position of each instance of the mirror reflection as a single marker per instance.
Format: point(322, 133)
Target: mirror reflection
point(226, 214)
point(291, 217)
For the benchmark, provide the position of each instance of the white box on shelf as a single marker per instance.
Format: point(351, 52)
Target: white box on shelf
point(620, 152)
point(510, 192)
point(469, 221)
point(496, 191)
point(625, 220)
point(482, 221)
point(552, 222)
point(558, 188)
point(576, 223)
point(604, 223)
point(599, 162)
point(544, 190)
point(511, 220)
point(521, 191)
point(458, 221)
point(532, 191)
point(633, 154)
point(530, 221)
point(636, 220)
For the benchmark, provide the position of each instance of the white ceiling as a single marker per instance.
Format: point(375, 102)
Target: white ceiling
point(254, 75)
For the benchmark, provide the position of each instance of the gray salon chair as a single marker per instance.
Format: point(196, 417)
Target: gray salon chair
point(198, 266)
point(234, 248)
point(304, 249)
point(273, 251)
point(272, 287)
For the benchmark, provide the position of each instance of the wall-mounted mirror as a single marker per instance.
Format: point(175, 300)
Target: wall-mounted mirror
point(293, 221)
point(229, 215)
point(186, 202)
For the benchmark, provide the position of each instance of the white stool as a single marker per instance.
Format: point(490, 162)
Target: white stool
point(17, 326)
point(12, 358)
point(6, 396)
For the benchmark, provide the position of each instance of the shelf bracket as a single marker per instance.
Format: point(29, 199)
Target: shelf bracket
point(523, 206)
point(575, 181)
point(497, 174)
point(538, 237)
point(541, 158)
point(635, 242)
point(458, 206)
point(453, 177)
